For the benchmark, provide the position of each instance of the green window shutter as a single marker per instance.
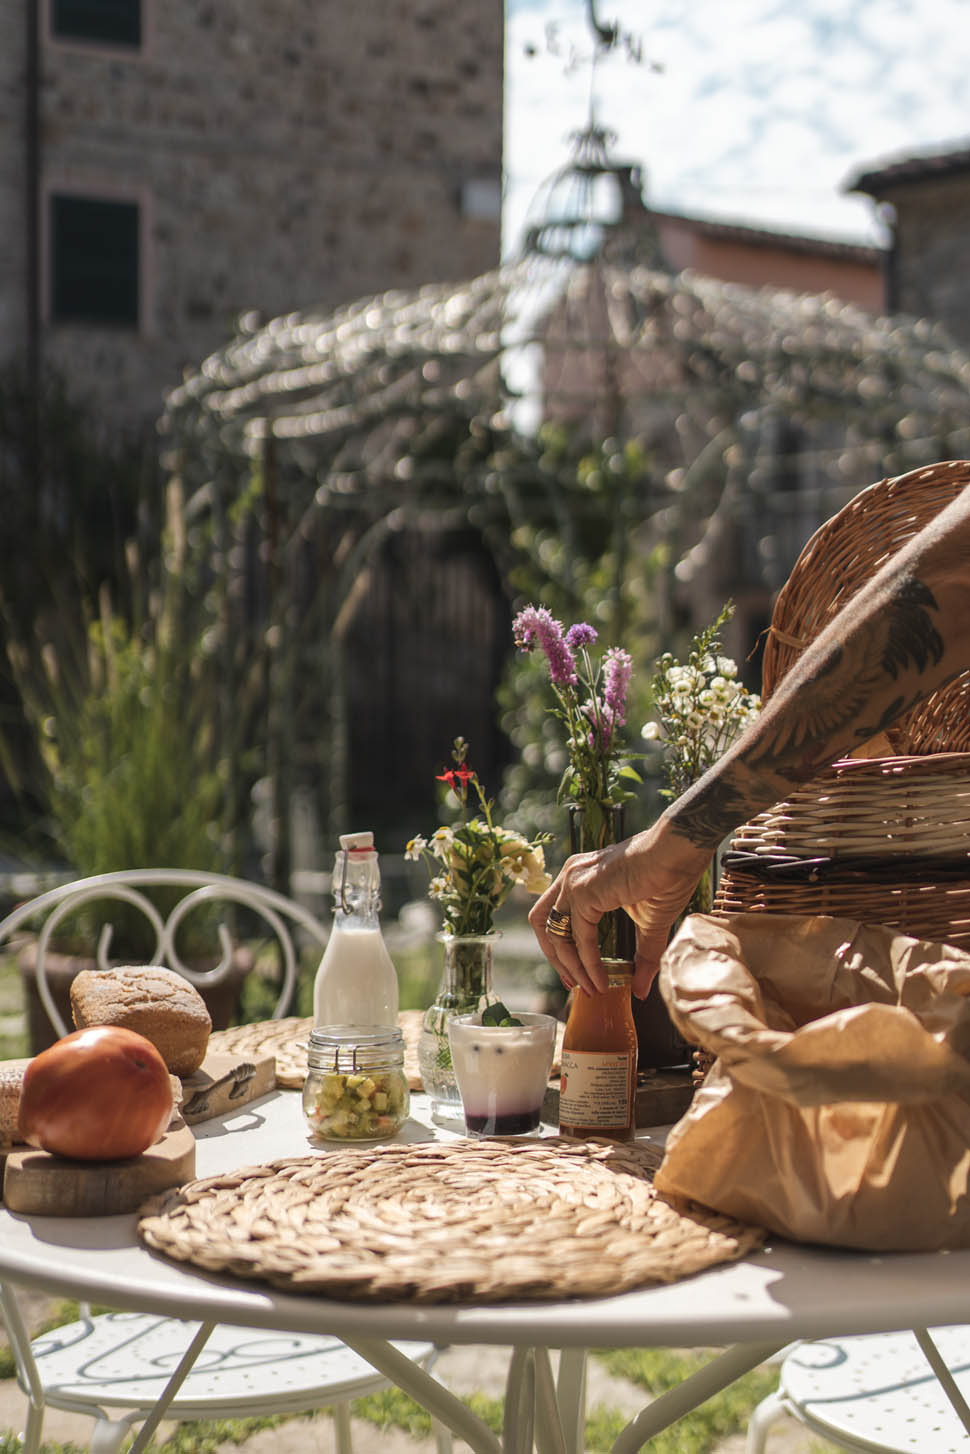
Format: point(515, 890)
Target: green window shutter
point(112, 22)
point(94, 261)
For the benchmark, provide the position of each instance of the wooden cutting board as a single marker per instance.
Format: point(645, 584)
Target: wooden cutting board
point(225, 1081)
point(53, 1186)
point(35, 1181)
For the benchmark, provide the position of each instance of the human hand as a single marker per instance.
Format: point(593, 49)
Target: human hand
point(652, 875)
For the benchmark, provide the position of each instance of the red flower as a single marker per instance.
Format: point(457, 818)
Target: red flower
point(464, 774)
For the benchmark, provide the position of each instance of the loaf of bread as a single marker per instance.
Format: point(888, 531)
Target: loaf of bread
point(11, 1086)
point(154, 1002)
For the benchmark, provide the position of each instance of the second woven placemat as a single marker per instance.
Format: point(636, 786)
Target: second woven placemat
point(287, 1040)
point(471, 1221)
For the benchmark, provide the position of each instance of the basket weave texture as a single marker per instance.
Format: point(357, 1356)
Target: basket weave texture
point(841, 557)
point(882, 836)
point(442, 1222)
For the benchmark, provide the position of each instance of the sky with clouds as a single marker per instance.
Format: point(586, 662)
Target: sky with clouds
point(754, 111)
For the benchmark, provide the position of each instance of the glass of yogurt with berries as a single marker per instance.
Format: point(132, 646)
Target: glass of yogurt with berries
point(502, 1065)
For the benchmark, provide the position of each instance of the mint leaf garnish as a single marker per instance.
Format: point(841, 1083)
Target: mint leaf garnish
point(497, 1014)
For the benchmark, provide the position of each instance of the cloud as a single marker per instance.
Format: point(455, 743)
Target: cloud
point(760, 111)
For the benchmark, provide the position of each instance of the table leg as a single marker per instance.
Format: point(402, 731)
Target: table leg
point(520, 1402)
point(549, 1436)
point(932, 1355)
point(571, 1393)
point(702, 1385)
point(26, 1367)
point(185, 1366)
point(443, 1405)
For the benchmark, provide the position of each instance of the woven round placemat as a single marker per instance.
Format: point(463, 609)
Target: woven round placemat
point(286, 1039)
point(470, 1221)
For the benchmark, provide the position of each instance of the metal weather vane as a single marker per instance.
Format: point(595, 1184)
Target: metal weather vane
point(608, 37)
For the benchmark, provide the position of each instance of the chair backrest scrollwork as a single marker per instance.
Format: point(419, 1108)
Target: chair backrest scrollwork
point(284, 918)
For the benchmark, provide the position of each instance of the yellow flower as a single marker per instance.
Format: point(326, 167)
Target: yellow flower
point(534, 876)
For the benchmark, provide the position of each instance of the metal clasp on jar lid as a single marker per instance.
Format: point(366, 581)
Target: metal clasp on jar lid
point(349, 1049)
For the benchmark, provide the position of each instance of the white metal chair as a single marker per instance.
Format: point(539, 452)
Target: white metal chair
point(283, 917)
point(126, 1368)
point(898, 1393)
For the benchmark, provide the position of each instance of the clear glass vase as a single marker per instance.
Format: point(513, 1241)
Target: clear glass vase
point(466, 986)
point(594, 825)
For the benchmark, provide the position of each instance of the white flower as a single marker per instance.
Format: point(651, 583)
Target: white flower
point(726, 667)
point(650, 732)
point(415, 849)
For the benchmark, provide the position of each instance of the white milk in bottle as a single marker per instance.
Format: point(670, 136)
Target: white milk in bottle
point(356, 983)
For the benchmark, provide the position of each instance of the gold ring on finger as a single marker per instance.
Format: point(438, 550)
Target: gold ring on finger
point(559, 924)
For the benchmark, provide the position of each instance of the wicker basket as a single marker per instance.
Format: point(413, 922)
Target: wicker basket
point(882, 836)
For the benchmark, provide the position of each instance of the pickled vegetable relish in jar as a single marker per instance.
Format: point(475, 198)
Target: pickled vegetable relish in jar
point(355, 1089)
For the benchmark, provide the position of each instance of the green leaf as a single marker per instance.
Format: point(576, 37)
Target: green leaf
point(497, 1014)
point(630, 772)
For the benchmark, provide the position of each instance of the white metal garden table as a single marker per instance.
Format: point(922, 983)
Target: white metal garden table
point(755, 1306)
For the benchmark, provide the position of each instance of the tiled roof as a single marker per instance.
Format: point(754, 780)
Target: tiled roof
point(927, 167)
point(765, 237)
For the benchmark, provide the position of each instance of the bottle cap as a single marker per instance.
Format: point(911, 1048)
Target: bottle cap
point(357, 842)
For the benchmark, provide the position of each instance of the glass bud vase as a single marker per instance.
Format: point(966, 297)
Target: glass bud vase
point(594, 825)
point(466, 987)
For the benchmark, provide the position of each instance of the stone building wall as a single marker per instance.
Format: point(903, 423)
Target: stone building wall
point(929, 277)
point(284, 154)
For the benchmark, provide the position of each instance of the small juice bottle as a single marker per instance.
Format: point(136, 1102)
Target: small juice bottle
point(599, 1061)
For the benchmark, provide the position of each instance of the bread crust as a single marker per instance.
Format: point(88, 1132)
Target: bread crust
point(11, 1088)
point(152, 1001)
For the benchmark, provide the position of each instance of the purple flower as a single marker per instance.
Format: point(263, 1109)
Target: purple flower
point(535, 623)
point(617, 670)
point(579, 636)
point(601, 721)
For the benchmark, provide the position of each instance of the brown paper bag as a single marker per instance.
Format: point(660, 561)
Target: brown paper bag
point(838, 1109)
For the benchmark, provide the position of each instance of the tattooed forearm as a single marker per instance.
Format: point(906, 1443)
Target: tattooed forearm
point(912, 637)
point(710, 810)
point(849, 690)
point(855, 691)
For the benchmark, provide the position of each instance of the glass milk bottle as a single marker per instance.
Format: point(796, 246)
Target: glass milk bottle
point(356, 983)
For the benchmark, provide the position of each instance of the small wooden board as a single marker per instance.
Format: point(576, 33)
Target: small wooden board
point(225, 1081)
point(54, 1186)
point(662, 1098)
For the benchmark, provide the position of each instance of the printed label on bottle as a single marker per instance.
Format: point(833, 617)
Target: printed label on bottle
point(595, 1088)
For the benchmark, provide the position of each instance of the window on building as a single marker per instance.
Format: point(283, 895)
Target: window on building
point(94, 261)
point(104, 22)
